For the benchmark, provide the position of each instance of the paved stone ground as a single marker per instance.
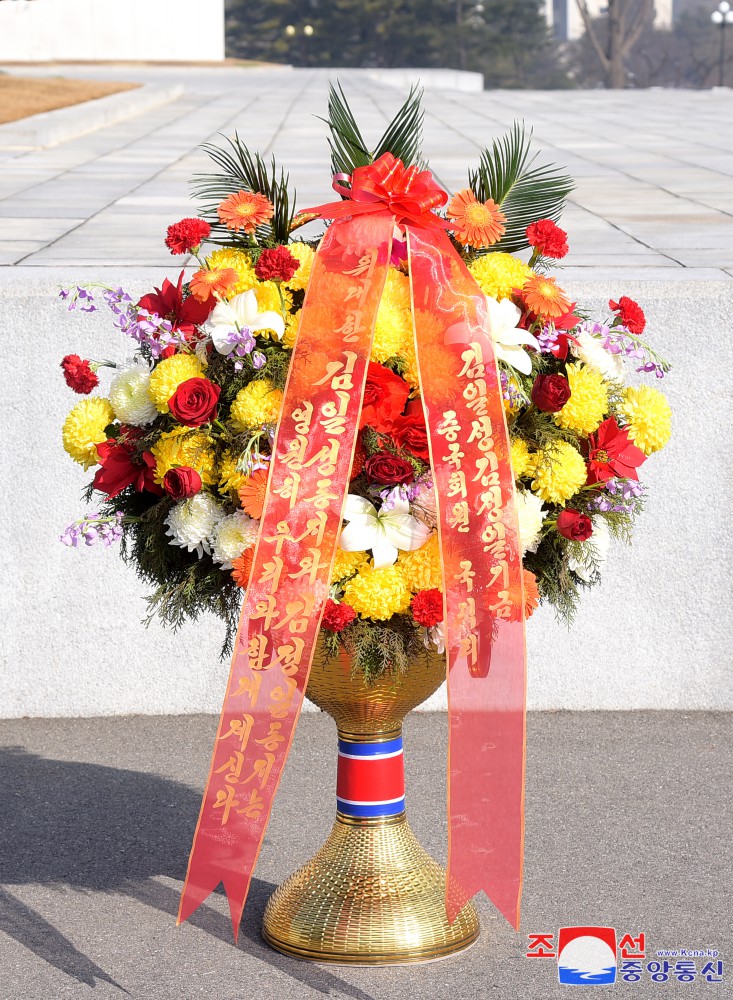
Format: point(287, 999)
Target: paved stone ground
point(628, 825)
point(653, 168)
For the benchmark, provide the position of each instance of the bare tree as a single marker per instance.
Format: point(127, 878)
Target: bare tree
point(627, 20)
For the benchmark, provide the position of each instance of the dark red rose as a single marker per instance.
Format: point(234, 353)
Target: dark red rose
point(78, 374)
point(574, 525)
point(337, 616)
point(118, 470)
point(427, 607)
point(195, 402)
point(629, 313)
point(389, 469)
point(547, 238)
point(385, 395)
point(550, 392)
point(186, 235)
point(276, 265)
point(182, 482)
point(409, 432)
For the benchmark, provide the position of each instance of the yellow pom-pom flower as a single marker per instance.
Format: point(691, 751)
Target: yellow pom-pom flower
point(168, 374)
point(306, 255)
point(378, 593)
point(588, 403)
point(421, 569)
point(256, 404)
point(292, 322)
point(559, 473)
point(648, 416)
point(522, 460)
point(230, 477)
point(239, 261)
point(181, 446)
point(347, 563)
point(393, 336)
point(84, 427)
point(497, 274)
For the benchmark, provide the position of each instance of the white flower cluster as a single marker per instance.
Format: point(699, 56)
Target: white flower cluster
point(200, 525)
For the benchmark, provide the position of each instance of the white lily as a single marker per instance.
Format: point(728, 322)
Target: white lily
point(509, 339)
point(384, 532)
point(239, 313)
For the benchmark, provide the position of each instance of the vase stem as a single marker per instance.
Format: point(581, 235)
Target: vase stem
point(370, 782)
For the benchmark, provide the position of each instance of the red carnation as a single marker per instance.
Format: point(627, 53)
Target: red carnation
point(337, 616)
point(427, 607)
point(388, 469)
point(385, 395)
point(182, 482)
point(612, 454)
point(186, 235)
point(548, 239)
point(195, 402)
point(79, 374)
point(410, 432)
point(276, 265)
point(574, 525)
point(629, 313)
point(550, 392)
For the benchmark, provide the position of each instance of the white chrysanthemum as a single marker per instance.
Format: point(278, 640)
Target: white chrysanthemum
point(232, 535)
point(591, 352)
point(592, 553)
point(129, 397)
point(530, 514)
point(191, 523)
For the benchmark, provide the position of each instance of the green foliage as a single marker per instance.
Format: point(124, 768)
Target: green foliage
point(524, 192)
point(376, 648)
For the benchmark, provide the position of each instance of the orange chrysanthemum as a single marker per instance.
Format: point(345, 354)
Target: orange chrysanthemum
point(217, 281)
point(252, 493)
point(531, 593)
point(474, 223)
point(245, 210)
point(242, 567)
point(544, 297)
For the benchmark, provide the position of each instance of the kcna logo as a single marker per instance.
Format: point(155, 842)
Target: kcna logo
point(586, 955)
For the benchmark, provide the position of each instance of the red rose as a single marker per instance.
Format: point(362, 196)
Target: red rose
point(182, 482)
point(337, 616)
point(186, 235)
point(550, 392)
point(547, 238)
point(389, 469)
point(385, 395)
point(78, 374)
point(629, 313)
point(119, 470)
point(410, 432)
point(195, 402)
point(276, 265)
point(574, 525)
point(427, 607)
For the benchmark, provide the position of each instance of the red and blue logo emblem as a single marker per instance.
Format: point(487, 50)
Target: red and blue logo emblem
point(586, 955)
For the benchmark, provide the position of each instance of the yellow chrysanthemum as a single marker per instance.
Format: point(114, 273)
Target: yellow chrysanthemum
point(649, 418)
point(256, 404)
point(393, 335)
point(497, 274)
point(84, 427)
point(239, 261)
point(306, 255)
point(559, 473)
point(291, 330)
point(168, 375)
point(588, 403)
point(378, 593)
point(421, 569)
point(522, 461)
point(183, 447)
point(347, 563)
point(230, 477)
point(268, 297)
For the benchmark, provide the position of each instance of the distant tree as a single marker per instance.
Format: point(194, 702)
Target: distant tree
point(623, 27)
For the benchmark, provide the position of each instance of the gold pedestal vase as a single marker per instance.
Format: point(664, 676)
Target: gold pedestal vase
point(372, 895)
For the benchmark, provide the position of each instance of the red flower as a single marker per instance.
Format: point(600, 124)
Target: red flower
point(119, 470)
point(78, 374)
point(629, 313)
point(574, 525)
point(168, 303)
point(195, 402)
point(186, 235)
point(612, 453)
point(276, 265)
point(182, 482)
point(409, 432)
point(337, 616)
point(427, 607)
point(550, 392)
point(389, 469)
point(359, 459)
point(385, 395)
point(547, 238)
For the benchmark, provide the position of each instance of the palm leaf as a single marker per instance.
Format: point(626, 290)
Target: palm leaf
point(403, 137)
point(524, 193)
point(239, 169)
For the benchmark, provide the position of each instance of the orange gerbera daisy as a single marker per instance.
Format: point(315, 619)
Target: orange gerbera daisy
point(242, 567)
point(531, 593)
point(252, 493)
point(474, 223)
point(544, 297)
point(245, 210)
point(217, 281)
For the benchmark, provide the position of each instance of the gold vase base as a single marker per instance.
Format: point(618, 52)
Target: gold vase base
point(371, 896)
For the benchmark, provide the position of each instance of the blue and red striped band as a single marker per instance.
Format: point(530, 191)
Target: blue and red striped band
point(371, 779)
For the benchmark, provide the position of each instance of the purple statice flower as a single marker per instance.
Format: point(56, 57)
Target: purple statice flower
point(510, 392)
point(619, 340)
point(259, 360)
point(623, 493)
point(92, 529)
point(80, 297)
point(241, 344)
point(405, 492)
point(547, 338)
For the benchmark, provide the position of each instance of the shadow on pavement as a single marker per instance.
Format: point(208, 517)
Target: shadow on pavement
point(90, 827)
